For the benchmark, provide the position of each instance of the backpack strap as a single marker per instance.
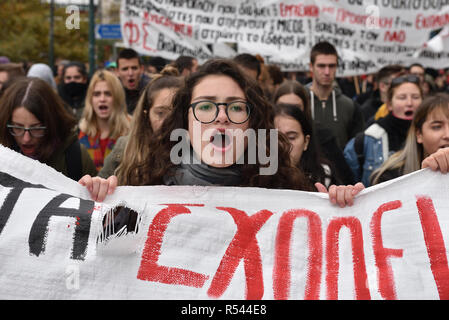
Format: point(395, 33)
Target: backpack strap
point(73, 161)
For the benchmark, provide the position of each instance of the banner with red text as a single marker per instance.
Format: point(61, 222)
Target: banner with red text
point(220, 242)
point(368, 34)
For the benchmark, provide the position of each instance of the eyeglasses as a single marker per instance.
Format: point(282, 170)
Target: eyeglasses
point(403, 79)
point(207, 111)
point(18, 131)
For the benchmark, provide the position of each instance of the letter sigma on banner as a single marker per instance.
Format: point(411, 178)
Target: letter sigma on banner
point(194, 242)
point(373, 34)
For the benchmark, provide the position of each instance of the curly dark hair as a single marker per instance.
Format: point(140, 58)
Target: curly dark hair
point(158, 165)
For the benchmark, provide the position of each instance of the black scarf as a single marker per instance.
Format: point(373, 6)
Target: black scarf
point(397, 130)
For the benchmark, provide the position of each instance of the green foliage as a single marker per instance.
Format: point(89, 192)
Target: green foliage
point(24, 32)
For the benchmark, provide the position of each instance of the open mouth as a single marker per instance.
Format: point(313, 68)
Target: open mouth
point(28, 149)
point(131, 82)
point(409, 113)
point(221, 141)
point(103, 108)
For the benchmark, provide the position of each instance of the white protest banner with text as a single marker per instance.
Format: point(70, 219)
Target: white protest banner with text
point(368, 34)
point(220, 242)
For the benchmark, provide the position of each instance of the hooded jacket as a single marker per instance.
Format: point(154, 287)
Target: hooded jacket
point(338, 113)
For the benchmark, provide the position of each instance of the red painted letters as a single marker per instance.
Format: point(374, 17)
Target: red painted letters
point(381, 254)
point(281, 270)
point(243, 246)
point(358, 257)
point(435, 245)
point(149, 269)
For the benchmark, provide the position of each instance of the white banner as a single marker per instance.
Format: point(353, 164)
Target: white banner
point(221, 242)
point(368, 34)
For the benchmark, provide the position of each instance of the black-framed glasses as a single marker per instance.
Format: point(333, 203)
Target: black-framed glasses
point(206, 111)
point(407, 78)
point(19, 131)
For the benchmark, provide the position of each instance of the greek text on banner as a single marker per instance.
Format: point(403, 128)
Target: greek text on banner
point(220, 242)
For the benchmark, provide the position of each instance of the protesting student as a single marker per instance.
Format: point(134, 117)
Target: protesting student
point(427, 143)
point(304, 153)
point(329, 106)
point(371, 148)
point(104, 118)
point(154, 106)
point(293, 92)
point(214, 110)
point(34, 122)
point(73, 87)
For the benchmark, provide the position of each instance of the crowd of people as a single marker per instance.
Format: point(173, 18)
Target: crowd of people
point(127, 123)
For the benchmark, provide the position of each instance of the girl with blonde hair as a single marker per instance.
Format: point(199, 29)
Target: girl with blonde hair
point(104, 118)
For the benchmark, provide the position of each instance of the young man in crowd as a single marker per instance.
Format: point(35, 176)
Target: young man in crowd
point(418, 70)
point(329, 107)
point(379, 96)
point(249, 64)
point(130, 71)
point(186, 65)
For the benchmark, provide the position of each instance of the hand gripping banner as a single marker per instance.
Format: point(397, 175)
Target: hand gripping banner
point(191, 242)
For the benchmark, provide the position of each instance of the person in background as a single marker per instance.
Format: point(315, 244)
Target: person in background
point(44, 72)
point(8, 73)
point(74, 87)
point(428, 85)
point(104, 117)
point(379, 96)
point(130, 71)
point(276, 78)
point(249, 64)
point(155, 65)
point(296, 125)
point(186, 65)
point(216, 99)
point(153, 107)
point(60, 64)
point(34, 122)
point(292, 92)
point(418, 70)
point(329, 106)
point(428, 138)
point(371, 148)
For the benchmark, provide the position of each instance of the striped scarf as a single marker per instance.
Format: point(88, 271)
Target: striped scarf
point(93, 147)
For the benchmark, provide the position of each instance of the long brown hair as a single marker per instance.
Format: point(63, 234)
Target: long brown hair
point(158, 165)
point(40, 99)
point(137, 149)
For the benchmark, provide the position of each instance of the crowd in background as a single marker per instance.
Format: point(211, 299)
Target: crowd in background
point(333, 132)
